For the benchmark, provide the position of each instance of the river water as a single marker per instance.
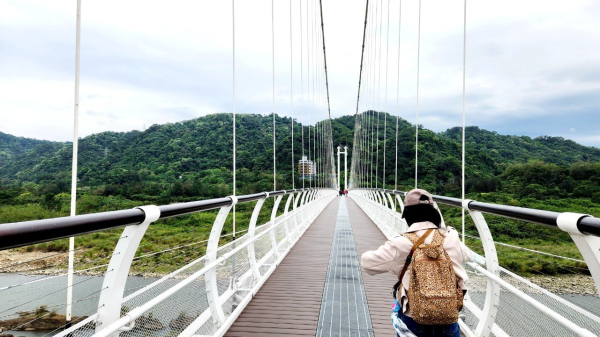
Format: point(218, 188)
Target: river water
point(52, 292)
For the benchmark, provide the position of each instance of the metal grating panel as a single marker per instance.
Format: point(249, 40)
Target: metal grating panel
point(344, 309)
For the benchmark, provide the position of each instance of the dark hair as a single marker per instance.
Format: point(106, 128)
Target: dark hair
point(420, 213)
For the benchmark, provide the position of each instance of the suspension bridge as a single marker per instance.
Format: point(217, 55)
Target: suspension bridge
point(297, 273)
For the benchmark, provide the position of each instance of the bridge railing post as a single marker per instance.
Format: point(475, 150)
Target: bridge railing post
point(251, 232)
point(492, 295)
point(274, 243)
point(391, 223)
point(210, 278)
point(288, 232)
point(589, 246)
point(113, 286)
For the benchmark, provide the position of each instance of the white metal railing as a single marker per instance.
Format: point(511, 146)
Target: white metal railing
point(503, 288)
point(205, 296)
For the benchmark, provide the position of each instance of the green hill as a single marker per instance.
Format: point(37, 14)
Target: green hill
point(192, 159)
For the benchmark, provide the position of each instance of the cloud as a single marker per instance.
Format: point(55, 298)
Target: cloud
point(531, 67)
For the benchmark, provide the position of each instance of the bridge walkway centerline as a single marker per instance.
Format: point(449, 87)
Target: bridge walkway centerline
point(290, 301)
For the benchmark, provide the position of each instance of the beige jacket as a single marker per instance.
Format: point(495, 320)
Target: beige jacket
point(391, 256)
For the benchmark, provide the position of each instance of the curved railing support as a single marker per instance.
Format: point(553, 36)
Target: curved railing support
point(272, 234)
point(251, 232)
point(589, 246)
point(286, 226)
point(113, 286)
point(400, 202)
point(210, 279)
point(492, 295)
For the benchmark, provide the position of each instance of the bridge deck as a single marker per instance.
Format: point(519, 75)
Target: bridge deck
point(289, 303)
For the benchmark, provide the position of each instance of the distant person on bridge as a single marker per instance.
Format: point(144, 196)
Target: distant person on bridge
point(430, 295)
point(346, 193)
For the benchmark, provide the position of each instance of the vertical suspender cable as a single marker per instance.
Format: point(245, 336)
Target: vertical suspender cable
point(302, 95)
point(398, 94)
point(378, 96)
point(308, 91)
point(233, 101)
point(463, 115)
point(313, 97)
point(387, 52)
point(374, 92)
point(273, 65)
point(417, 124)
point(74, 166)
point(292, 95)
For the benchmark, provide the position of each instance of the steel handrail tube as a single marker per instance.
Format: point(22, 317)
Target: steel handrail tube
point(142, 309)
point(587, 225)
point(20, 234)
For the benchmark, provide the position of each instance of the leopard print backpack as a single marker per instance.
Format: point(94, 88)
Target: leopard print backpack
point(434, 296)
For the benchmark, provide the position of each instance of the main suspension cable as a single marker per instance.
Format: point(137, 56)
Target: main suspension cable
point(325, 63)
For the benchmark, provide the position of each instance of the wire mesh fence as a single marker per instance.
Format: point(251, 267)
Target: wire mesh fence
point(186, 311)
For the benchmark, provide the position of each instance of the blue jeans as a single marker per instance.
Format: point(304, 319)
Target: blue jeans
point(440, 330)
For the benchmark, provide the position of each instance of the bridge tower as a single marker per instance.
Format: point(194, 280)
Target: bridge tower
point(345, 153)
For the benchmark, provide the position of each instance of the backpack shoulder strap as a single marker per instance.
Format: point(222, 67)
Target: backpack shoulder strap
point(412, 250)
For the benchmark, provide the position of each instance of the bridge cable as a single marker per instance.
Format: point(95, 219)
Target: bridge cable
point(325, 64)
point(292, 95)
point(273, 70)
point(378, 94)
point(374, 43)
point(315, 111)
point(302, 93)
point(308, 59)
point(313, 106)
point(463, 115)
point(418, 74)
point(387, 52)
point(74, 161)
point(398, 94)
point(233, 100)
point(362, 55)
point(330, 133)
point(375, 93)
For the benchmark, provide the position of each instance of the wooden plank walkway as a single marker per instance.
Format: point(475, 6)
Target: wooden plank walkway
point(289, 302)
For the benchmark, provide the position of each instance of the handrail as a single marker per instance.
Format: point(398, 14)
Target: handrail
point(587, 225)
point(19, 234)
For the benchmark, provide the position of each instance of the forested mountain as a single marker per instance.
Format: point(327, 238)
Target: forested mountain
point(192, 159)
point(13, 148)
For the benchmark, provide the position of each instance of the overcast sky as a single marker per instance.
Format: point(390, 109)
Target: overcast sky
point(533, 67)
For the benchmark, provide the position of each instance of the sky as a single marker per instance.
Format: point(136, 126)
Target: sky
point(532, 67)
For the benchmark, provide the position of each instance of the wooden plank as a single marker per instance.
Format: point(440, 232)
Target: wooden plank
point(289, 302)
